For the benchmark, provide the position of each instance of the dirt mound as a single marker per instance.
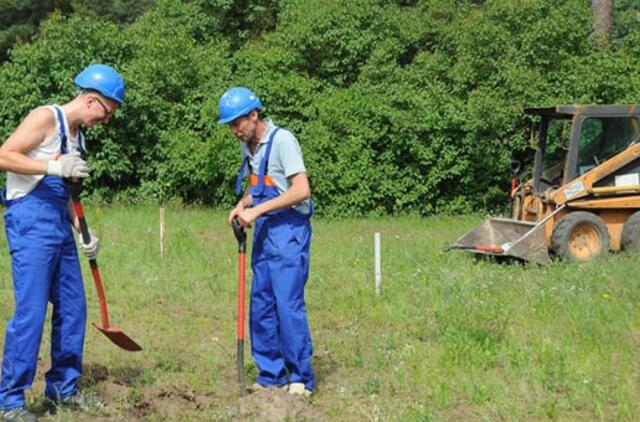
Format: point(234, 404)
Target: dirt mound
point(275, 405)
point(170, 403)
point(114, 386)
point(126, 396)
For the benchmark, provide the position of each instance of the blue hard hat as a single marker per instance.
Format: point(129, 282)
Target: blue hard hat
point(104, 79)
point(237, 102)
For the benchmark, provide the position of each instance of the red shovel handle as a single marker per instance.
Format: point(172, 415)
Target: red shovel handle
point(74, 186)
point(241, 293)
point(240, 337)
point(114, 334)
point(241, 236)
point(86, 238)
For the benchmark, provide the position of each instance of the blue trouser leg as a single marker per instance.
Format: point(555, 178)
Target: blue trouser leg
point(68, 325)
point(265, 341)
point(295, 338)
point(279, 328)
point(31, 272)
point(292, 273)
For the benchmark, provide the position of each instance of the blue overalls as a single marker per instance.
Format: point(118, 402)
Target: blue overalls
point(45, 267)
point(280, 337)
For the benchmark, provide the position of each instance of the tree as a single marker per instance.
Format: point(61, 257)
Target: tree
point(627, 16)
point(19, 20)
point(603, 21)
point(399, 106)
point(117, 11)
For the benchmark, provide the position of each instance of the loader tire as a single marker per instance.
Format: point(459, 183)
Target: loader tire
point(631, 233)
point(580, 236)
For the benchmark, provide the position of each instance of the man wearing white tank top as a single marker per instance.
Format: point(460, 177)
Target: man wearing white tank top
point(46, 147)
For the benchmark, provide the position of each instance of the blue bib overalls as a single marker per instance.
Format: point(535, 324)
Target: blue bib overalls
point(45, 267)
point(280, 337)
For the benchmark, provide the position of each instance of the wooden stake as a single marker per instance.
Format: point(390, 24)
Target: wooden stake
point(163, 245)
point(378, 266)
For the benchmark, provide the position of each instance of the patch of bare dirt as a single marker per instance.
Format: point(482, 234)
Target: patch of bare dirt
point(276, 405)
point(113, 386)
point(125, 397)
point(170, 403)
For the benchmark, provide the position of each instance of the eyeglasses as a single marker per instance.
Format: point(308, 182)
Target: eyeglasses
point(104, 107)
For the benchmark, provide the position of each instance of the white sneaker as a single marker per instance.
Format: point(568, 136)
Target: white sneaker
point(298, 389)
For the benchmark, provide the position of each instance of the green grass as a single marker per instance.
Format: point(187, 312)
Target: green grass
point(448, 338)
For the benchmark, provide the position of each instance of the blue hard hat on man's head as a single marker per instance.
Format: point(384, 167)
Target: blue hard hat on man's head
point(103, 79)
point(237, 102)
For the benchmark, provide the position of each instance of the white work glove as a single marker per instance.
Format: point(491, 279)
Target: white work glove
point(68, 165)
point(90, 249)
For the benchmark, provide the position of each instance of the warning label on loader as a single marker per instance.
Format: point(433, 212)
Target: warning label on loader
point(574, 189)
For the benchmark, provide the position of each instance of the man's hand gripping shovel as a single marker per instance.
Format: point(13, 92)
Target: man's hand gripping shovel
point(241, 235)
point(114, 334)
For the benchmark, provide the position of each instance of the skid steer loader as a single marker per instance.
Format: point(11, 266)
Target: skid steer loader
point(583, 196)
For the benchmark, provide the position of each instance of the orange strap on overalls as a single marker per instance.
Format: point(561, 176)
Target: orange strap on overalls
point(268, 180)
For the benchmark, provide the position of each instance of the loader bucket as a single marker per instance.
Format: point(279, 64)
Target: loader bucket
point(508, 238)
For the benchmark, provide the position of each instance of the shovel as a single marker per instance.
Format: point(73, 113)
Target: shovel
point(241, 235)
point(114, 334)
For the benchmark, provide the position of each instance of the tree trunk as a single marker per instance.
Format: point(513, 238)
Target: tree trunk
point(603, 21)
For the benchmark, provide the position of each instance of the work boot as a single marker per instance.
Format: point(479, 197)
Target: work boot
point(79, 401)
point(18, 414)
point(298, 389)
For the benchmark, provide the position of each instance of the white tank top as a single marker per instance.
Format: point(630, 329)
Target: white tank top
point(19, 185)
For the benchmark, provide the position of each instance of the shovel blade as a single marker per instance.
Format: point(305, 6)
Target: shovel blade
point(506, 237)
point(119, 338)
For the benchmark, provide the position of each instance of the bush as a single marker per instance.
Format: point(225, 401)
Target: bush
point(400, 106)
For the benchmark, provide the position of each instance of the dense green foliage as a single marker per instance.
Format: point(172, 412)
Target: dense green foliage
point(627, 15)
point(19, 19)
point(400, 106)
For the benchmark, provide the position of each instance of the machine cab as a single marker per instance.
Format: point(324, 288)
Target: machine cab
point(575, 139)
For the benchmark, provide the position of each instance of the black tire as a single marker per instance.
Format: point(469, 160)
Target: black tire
point(631, 233)
point(580, 236)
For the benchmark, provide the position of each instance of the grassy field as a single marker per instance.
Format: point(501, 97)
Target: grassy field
point(448, 338)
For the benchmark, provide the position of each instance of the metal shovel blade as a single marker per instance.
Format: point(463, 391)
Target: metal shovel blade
point(119, 338)
point(506, 237)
